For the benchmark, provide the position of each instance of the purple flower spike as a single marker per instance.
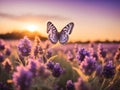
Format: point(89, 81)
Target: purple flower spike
point(49, 53)
point(117, 55)
point(80, 85)
point(70, 56)
point(8, 67)
point(75, 49)
point(101, 51)
point(1, 57)
point(32, 66)
point(50, 65)
point(98, 70)
point(81, 54)
point(3, 86)
point(22, 78)
point(38, 50)
point(70, 85)
point(88, 66)
point(57, 70)
point(2, 45)
point(7, 52)
point(43, 72)
point(24, 46)
point(109, 70)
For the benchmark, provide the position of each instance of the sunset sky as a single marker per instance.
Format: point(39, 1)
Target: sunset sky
point(93, 19)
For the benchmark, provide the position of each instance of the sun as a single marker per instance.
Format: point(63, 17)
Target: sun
point(32, 28)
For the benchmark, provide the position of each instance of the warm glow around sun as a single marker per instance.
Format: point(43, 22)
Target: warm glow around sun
point(31, 28)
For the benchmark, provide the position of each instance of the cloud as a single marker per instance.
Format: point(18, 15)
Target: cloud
point(32, 17)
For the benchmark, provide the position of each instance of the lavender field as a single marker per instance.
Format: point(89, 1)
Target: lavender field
point(36, 65)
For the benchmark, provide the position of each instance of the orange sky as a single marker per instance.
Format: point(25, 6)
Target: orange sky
point(93, 20)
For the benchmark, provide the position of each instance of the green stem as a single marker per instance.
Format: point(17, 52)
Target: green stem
point(102, 84)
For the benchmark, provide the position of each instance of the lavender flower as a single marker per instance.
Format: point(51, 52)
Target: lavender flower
point(2, 45)
point(3, 86)
point(70, 56)
point(101, 51)
point(117, 55)
point(38, 50)
point(1, 57)
point(50, 65)
point(80, 85)
point(24, 46)
point(56, 86)
point(22, 78)
point(22, 59)
point(49, 53)
point(43, 72)
point(81, 54)
point(88, 66)
point(108, 70)
point(98, 70)
point(32, 66)
point(7, 52)
point(95, 56)
point(75, 48)
point(93, 53)
point(57, 70)
point(47, 44)
point(8, 67)
point(70, 85)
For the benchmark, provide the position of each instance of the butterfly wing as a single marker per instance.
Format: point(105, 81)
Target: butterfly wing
point(65, 32)
point(53, 33)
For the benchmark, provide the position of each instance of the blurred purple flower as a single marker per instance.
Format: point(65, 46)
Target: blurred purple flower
point(7, 52)
point(47, 44)
point(117, 55)
point(49, 53)
point(57, 70)
point(92, 45)
point(75, 48)
point(95, 56)
point(43, 72)
point(98, 70)
point(50, 65)
point(22, 78)
point(8, 67)
point(80, 85)
point(2, 45)
point(32, 66)
point(88, 66)
point(70, 56)
point(70, 85)
point(101, 51)
point(1, 57)
point(109, 70)
point(93, 53)
point(81, 54)
point(38, 50)
point(21, 57)
point(56, 86)
point(3, 86)
point(24, 46)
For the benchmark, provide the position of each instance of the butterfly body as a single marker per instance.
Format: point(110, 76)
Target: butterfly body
point(55, 36)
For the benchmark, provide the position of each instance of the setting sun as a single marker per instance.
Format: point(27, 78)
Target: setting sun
point(32, 28)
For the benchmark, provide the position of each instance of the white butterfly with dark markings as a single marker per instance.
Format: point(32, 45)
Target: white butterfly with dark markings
point(62, 36)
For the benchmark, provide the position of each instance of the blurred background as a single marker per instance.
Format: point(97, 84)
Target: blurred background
point(95, 20)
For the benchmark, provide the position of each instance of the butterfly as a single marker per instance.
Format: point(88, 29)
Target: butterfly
point(55, 36)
